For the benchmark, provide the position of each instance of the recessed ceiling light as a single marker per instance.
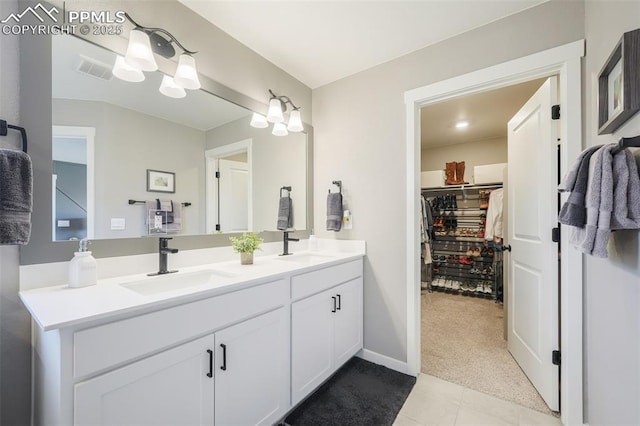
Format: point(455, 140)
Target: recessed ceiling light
point(462, 124)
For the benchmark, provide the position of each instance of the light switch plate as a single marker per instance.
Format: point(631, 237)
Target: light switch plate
point(117, 224)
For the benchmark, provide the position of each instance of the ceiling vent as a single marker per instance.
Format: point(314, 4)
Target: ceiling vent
point(94, 68)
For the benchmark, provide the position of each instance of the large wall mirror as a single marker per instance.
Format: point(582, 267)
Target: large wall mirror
point(115, 141)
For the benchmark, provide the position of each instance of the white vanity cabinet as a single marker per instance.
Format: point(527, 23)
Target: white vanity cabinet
point(231, 376)
point(171, 387)
point(222, 360)
point(244, 355)
point(326, 324)
point(252, 371)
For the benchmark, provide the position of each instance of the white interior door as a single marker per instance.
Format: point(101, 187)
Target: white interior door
point(234, 196)
point(533, 263)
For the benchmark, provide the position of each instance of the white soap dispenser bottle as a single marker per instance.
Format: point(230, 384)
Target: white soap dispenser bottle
point(83, 268)
point(313, 243)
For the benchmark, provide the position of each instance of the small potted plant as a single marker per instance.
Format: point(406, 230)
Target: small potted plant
point(246, 245)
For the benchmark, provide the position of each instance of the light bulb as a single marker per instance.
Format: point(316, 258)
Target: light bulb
point(295, 123)
point(139, 54)
point(187, 73)
point(275, 111)
point(259, 121)
point(126, 72)
point(279, 129)
point(171, 89)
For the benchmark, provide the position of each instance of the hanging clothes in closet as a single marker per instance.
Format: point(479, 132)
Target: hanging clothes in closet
point(426, 234)
point(493, 227)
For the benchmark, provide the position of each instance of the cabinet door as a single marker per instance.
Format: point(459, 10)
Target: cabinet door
point(311, 343)
point(252, 371)
point(348, 321)
point(169, 388)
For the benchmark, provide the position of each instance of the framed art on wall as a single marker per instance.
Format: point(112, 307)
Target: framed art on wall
point(158, 181)
point(619, 84)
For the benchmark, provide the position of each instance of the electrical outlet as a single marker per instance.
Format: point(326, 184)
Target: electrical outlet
point(347, 220)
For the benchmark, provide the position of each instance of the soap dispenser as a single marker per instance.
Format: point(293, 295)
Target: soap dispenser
point(83, 268)
point(313, 243)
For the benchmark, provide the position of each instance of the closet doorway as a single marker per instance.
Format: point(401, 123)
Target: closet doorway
point(564, 61)
point(464, 167)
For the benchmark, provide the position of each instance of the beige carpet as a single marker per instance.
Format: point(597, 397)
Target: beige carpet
point(462, 342)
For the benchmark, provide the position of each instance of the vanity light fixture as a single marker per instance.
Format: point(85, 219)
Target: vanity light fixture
point(170, 88)
point(275, 115)
point(126, 72)
point(143, 43)
point(259, 121)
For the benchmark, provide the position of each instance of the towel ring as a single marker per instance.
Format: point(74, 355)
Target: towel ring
point(286, 188)
point(4, 126)
point(337, 183)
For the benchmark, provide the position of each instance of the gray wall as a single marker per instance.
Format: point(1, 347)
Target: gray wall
point(277, 161)
point(612, 286)
point(360, 138)
point(127, 143)
point(15, 325)
point(489, 151)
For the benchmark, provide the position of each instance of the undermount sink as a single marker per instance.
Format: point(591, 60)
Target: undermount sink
point(305, 258)
point(163, 283)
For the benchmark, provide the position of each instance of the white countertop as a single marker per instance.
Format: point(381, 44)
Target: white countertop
point(61, 306)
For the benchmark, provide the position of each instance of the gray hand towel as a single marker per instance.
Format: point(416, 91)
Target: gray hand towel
point(334, 211)
point(16, 199)
point(285, 213)
point(573, 211)
point(626, 195)
point(570, 178)
point(583, 238)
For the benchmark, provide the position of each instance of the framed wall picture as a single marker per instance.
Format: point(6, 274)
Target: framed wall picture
point(158, 181)
point(619, 84)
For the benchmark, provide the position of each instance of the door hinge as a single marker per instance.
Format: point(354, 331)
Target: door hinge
point(555, 112)
point(555, 234)
point(217, 226)
point(217, 175)
point(556, 357)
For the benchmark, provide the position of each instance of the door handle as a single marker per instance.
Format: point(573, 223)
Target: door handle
point(224, 357)
point(339, 302)
point(334, 304)
point(210, 373)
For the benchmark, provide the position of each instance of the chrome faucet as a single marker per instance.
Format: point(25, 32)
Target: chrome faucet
point(286, 239)
point(163, 251)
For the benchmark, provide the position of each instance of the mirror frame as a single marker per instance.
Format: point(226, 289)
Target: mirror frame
point(36, 117)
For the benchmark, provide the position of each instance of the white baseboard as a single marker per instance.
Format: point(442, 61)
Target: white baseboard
point(384, 360)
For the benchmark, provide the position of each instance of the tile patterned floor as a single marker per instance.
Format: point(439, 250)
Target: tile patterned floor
point(434, 401)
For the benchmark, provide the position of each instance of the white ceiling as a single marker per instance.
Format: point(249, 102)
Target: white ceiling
point(487, 113)
point(198, 110)
point(319, 42)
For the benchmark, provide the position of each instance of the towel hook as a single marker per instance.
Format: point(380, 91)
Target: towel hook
point(338, 183)
point(623, 143)
point(286, 188)
point(4, 126)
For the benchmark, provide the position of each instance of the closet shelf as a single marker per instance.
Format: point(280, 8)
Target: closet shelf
point(460, 187)
point(461, 239)
point(478, 294)
point(468, 216)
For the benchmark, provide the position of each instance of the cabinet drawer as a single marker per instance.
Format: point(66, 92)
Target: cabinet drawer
point(101, 347)
point(314, 282)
